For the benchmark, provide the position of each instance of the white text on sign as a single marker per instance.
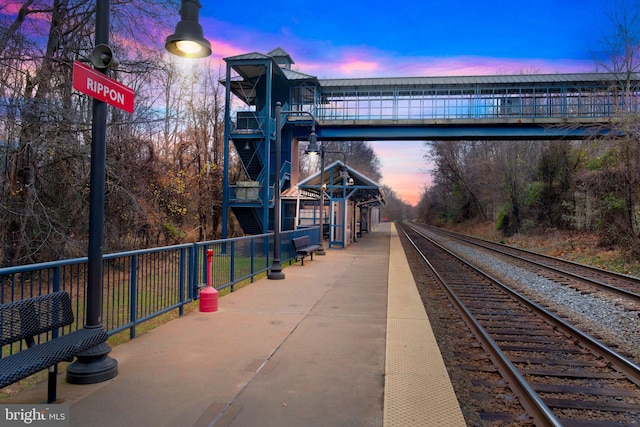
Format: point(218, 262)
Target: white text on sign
point(101, 87)
point(105, 90)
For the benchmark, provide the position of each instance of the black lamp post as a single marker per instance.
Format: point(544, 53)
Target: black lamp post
point(275, 272)
point(94, 365)
point(315, 148)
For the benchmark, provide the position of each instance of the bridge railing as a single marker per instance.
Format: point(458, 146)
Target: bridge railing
point(439, 104)
point(141, 285)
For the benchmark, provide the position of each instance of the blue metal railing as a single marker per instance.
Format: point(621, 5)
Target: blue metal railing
point(141, 285)
point(457, 105)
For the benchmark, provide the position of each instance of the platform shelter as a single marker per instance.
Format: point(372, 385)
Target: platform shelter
point(351, 203)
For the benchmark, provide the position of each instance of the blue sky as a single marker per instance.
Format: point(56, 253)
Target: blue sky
point(372, 38)
point(418, 36)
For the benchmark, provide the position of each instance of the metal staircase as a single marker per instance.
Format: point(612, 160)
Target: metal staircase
point(246, 197)
point(261, 82)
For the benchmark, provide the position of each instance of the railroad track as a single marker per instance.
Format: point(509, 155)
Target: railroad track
point(622, 285)
point(527, 365)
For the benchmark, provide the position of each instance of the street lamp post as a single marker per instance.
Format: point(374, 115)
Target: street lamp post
point(315, 148)
point(94, 365)
point(276, 273)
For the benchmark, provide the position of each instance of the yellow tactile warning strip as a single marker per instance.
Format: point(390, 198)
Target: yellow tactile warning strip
point(417, 389)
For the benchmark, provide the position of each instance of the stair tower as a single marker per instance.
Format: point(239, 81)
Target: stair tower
point(257, 82)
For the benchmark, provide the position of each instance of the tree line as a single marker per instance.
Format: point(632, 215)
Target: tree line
point(533, 186)
point(164, 161)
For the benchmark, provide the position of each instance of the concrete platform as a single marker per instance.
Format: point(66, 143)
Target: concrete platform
point(341, 341)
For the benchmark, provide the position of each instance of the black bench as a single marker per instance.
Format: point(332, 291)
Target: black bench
point(26, 320)
point(303, 247)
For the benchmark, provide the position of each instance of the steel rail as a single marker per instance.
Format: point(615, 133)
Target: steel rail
point(624, 365)
point(530, 400)
point(589, 281)
point(616, 361)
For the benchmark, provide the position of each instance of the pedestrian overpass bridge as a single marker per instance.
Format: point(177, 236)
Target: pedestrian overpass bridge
point(480, 107)
point(499, 107)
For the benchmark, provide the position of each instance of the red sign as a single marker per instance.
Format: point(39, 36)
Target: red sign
point(101, 87)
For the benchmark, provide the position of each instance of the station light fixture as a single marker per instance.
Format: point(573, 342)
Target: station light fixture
point(188, 40)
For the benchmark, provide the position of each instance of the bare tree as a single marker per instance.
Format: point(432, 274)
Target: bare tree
point(45, 118)
point(617, 182)
point(394, 209)
point(206, 113)
point(451, 160)
point(47, 125)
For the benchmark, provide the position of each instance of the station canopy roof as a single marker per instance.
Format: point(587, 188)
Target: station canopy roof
point(359, 189)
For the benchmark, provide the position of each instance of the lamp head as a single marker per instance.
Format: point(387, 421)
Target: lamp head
point(188, 40)
point(313, 147)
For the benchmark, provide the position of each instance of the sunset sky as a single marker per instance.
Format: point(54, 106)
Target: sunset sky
point(372, 38)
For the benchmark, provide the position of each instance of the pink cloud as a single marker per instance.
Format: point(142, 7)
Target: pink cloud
point(358, 66)
point(12, 8)
point(471, 66)
point(366, 62)
point(223, 49)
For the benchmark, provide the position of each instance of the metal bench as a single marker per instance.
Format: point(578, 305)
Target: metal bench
point(303, 247)
point(26, 320)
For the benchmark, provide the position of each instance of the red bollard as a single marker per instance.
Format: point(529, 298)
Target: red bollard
point(209, 294)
